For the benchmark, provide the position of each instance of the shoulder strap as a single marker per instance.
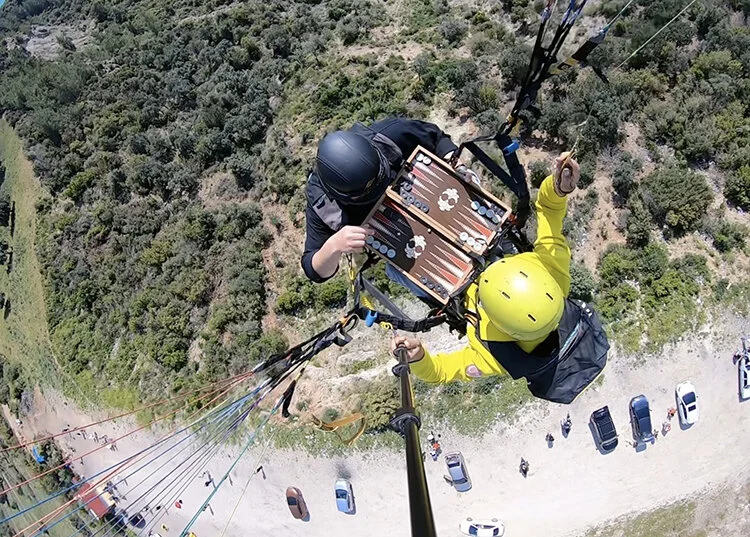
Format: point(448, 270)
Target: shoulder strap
point(327, 209)
point(385, 145)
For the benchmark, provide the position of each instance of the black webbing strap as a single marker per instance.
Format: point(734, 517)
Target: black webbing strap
point(336, 334)
point(514, 178)
point(542, 59)
point(397, 319)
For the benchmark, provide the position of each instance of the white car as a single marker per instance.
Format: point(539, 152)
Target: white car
point(743, 367)
point(344, 496)
point(482, 528)
point(687, 403)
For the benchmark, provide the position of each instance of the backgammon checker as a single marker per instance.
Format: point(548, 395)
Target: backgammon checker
point(436, 226)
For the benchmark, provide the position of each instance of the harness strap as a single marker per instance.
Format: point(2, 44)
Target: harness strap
point(334, 426)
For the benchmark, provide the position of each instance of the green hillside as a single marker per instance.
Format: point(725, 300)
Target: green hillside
point(165, 133)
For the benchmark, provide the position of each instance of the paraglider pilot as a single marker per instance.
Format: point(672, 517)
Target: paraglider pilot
point(353, 168)
point(520, 319)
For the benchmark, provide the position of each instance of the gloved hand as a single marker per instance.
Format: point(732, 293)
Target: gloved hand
point(566, 174)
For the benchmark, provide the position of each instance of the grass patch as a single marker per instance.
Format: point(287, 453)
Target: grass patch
point(308, 438)
point(670, 521)
point(24, 336)
point(471, 408)
point(359, 366)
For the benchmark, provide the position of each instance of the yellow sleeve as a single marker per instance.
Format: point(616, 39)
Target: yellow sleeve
point(465, 364)
point(551, 246)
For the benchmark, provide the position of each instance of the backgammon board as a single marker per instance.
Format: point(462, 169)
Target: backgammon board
point(436, 225)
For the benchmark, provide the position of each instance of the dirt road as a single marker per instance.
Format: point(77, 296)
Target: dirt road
point(571, 486)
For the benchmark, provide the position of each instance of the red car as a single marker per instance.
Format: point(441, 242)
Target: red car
point(296, 502)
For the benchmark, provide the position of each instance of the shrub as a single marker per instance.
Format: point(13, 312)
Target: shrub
point(513, 64)
point(638, 223)
point(652, 262)
point(330, 414)
point(615, 303)
point(588, 171)
point(728, 235)
point(677, 197)
point(331, 294)
point(538, 172)
point(617, 265)
point(623, 176)
point(453, 30)
point(737, 189)
point(379, 404)
point(582, 283)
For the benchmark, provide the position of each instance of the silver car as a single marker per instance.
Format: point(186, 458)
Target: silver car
point(458, 475)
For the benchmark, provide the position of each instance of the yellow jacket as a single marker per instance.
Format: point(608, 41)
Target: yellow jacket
point(551, 251)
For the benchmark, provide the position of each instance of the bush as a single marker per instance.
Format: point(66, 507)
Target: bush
point(728, 235)
point(737, 189)
point(617, 265)
point(582, 283)
point(379, 404)
point(677, 197)
point(453, 30)
point(588, 172)
point(651, 262)
point(615, 303)
point(623, 177)
point(538, 172)
point(638, 223)
point(331, 294)
point(513, 64)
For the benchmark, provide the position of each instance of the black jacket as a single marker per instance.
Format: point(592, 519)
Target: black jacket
point(407, 134)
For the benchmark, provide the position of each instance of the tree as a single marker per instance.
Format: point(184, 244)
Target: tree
point(638, 223)
point(582, 284)
point(623, 177)
point(677, 197)
point(737, 189)
point(453, 30)
point(538, 172)
point(4, 211)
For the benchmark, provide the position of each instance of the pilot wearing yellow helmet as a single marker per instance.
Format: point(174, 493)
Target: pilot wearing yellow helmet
point(520, 319)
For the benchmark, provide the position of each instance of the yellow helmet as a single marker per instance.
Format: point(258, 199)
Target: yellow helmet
point(521, 298)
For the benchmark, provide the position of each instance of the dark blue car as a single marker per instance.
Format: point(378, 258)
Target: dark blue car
point(640, 417)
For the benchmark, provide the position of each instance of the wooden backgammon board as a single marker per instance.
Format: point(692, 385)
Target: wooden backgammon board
point(435, 226)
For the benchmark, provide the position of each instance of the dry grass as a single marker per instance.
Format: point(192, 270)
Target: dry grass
point(723, 512)
point(24, 334)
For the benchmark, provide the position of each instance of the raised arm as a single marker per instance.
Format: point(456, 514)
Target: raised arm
point(551, 205)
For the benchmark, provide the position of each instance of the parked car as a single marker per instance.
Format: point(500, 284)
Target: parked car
point(743, 367)
point(640, 418)
point(687, 403)
point(137, 521)
point(296, 502)
point(604, 429)
point(344, 496)
point(482, 528)
point(458, 475)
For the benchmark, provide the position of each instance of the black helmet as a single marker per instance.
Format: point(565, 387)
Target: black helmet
point(351, 169)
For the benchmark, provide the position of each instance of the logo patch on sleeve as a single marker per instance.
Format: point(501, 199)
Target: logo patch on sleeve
point(473, 371)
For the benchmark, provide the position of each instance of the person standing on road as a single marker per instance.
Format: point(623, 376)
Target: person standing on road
point(520, 321)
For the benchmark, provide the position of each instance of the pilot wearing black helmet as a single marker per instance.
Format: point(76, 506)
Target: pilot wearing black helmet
point(352, 170)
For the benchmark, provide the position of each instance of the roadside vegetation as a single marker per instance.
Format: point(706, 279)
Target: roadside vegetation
point(155, 283)
point(19, 465)
point(707, 516)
